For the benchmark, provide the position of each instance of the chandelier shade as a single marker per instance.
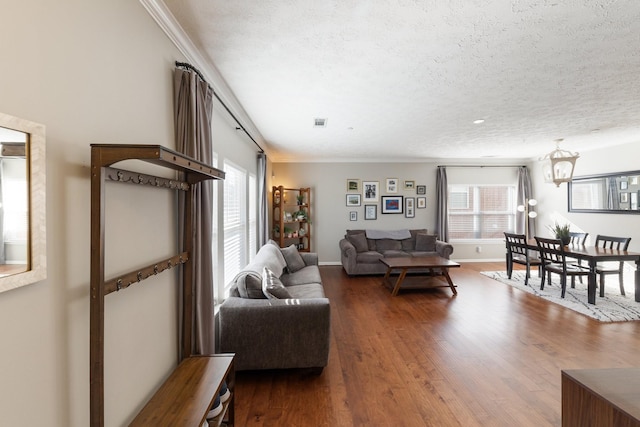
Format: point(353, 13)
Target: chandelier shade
point(558, 165)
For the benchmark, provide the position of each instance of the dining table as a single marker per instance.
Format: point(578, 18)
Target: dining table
point(592, 255)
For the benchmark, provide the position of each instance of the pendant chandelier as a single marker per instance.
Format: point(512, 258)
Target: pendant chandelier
point(558, 165)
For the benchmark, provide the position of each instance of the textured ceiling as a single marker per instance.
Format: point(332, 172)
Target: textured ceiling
point(401, 79)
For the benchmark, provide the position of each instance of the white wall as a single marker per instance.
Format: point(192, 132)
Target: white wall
point(553, 201)
point(331, 216)
point(92, 72)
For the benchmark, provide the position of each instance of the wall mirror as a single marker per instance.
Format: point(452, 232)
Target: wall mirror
point(605, 193)
point(22, 203)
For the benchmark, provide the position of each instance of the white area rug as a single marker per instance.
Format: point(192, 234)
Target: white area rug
point(612, 308)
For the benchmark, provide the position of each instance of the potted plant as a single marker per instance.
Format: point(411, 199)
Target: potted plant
point(562, 232)
point(300, 215)
point(300, 199)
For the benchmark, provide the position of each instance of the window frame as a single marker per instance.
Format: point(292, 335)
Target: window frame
point(478, 214)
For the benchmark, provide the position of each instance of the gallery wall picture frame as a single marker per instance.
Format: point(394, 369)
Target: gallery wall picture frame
point(624, 197)
point(370, 212)
point(409, 185)
point(392, 185)
point(392, 204)
point(409, 207)
point(370, 191)
point(634, 201)
point(353, 199)
point(422, 202)
point(633, 180)
point(353, 185)
point(421, 189)
point(624, 185)
point(353, 216)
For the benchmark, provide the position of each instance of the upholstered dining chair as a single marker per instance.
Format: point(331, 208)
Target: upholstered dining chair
point(519, 253)
point(611, 267)
point(554, 260)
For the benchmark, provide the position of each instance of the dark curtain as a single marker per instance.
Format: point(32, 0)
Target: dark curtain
point(524, 193)
point(193, 108)
point(442, 214)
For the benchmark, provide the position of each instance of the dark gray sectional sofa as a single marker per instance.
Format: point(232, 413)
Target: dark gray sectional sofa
point(361, 255)
point(278, 331)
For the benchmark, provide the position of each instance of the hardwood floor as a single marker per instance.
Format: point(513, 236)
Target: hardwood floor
point(490, 356)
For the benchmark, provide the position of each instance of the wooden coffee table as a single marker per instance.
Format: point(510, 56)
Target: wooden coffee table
point(404, 264)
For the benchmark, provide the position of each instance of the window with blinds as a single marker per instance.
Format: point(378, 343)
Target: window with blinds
point(253, 217)
point(235, 214)
point(481, 211)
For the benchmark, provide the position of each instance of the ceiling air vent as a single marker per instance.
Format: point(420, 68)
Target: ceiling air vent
point(319, 123)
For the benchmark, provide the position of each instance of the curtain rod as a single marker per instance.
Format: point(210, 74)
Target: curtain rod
point(481, 166)
point(195, 70)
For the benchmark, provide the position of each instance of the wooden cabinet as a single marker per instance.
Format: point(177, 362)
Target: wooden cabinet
point(291, 217)
point(601, 397)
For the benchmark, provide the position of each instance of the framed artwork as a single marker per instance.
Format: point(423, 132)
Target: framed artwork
point(422, 202)
point(370, 191)
point(353, 216)
point(392, 204)
point(370, 212)
point(353, 185)
point(409, 207)
point(409, 185)
point(624, 197)
point(634, 201)
point(421, 189)
point(633, 180)
point(392, 185)
point(623, 185)
point(353, 200)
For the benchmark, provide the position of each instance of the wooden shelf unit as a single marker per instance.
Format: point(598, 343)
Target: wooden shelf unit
point(287, 229)
point(187, 395)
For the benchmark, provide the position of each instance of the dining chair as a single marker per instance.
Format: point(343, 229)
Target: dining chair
point(519, 253)
point(611, 267)
point(577, 239)
point(554, 260)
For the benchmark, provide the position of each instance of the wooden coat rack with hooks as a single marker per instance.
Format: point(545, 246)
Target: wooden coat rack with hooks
point(103, 156)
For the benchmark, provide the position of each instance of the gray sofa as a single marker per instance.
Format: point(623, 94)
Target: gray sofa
point(288, 327)
point(360, 254)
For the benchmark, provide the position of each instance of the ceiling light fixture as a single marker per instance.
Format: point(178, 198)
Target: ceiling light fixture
point(319, 122)
point(479, 121)
point(558, 165)
point(528, 213)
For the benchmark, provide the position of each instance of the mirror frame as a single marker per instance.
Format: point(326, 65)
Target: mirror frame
point(603, 175)
point(36, 170)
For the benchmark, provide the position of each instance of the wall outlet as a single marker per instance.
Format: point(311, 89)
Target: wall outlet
point(478, 249)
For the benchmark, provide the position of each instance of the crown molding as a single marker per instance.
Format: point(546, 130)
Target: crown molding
point(172, 28)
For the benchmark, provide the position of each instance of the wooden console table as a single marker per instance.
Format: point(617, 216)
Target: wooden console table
point(601, 397)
